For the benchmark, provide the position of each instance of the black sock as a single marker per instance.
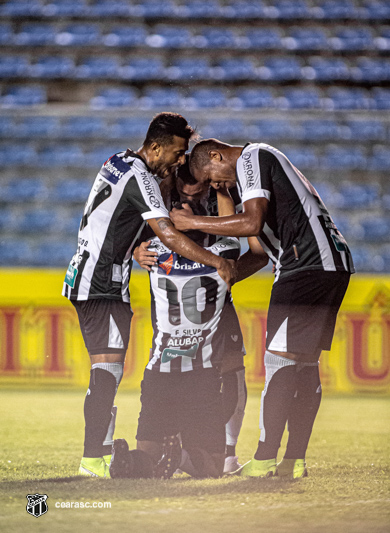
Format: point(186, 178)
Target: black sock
point(230, 451)
point(275, 407)
point(304, 409)
point(97, 411)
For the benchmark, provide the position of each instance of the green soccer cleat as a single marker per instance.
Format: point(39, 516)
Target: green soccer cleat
point(255, 468)
point(107, 458)
point(94, 467)
point(293, 468)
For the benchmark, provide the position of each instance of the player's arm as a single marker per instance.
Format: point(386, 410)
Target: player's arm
point(246, 224)
point(252, 261)
point(182, 245)
point(145, 258)
point(225, 203)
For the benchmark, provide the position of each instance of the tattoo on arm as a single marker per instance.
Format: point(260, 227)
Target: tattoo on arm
point(164, 223)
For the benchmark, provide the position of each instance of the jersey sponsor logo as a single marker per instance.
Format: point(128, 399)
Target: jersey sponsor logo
point(114, 169)
point(167, 264)
point(172, 353)
point(176, 265)
point(70, 276)
point(248, 169)
point(149, 183)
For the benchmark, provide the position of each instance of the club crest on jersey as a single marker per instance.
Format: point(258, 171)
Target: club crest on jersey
point(172, 353)
point(114, 169)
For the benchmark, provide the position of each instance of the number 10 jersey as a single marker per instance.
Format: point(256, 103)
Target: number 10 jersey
point(187, 301)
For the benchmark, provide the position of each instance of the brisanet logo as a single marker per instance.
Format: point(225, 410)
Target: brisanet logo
point(248, 169)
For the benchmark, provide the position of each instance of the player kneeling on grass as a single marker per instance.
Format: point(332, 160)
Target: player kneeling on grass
point(181, 388)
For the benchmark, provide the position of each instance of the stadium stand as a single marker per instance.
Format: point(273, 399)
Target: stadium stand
point(82, 79)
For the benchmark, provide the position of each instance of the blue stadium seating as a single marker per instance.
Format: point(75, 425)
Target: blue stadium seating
point(143, 69)
point(189, 69)
point(354, 98)
point(306, 39)
point(285, 9)
point(98, 68)
point(22, 190)
point(380, 98)
point(161, 98)
point(301, 99)
point(17, 154)
point(376, 229)
point(110, 8)
point(252, 98)
point(380, 159)
point(95, 157)
point(14, 66)
point(125, 36)
point(83, 127)
point(35, 35)
point(15, 253)
point(362, 259)
point(357, 196)
point(114, 97)
point(79, 35)
point(130, 128)
point(71, 191)
point(200, 9)
point(264, 39)
point(37, 127)
point(382, 41)
point(303, 158)
point(367, 130)
point(53, 254)
point(65, 8)
point(245, 9)
point(170, 37)
point(6, 33)
point(235, 69)
point(281, 69)
point(336, 9)
point(218, 38)
point(207, 98)
point(376, 10)
point(323, 69)
point(37, 221)
point(6, 127)
point(371, 70)
point(320, 130)
point(229, 129)
point(53, 67)
point(340, 158)
point(328, 193)
point(155, 9)
point(272, 129)
point(61, 155)
point(5, 218)
point(23, 8)
point(352, 39)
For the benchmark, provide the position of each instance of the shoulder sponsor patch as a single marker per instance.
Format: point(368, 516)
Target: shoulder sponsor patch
point(114, 169)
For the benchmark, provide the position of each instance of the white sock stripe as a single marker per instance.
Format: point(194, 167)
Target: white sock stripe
point(277, 360)
point(116, 369)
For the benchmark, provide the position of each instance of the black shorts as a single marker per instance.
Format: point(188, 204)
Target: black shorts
point(105, 325)
point(189, 403)
point(228, 339)
point(303, 310)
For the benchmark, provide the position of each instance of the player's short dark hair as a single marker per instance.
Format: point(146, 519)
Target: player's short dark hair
point(183, 172)
point(165, 126)
point(199, 156)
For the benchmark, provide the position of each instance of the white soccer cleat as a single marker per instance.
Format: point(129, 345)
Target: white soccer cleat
point(231, 464)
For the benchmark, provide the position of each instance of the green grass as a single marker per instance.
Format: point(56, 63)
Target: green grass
point(347, 490)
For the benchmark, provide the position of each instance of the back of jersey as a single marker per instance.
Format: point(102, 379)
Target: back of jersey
point(187, 301)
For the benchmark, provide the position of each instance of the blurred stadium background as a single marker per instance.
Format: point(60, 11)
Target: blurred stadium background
point(81, 79)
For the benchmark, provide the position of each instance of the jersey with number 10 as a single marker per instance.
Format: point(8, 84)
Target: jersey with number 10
point(124, 195)
point(187, 301)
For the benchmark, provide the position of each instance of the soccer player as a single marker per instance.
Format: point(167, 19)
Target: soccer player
point(186, 189)
point(124, 196)
point(181, 388)
point(312, 271)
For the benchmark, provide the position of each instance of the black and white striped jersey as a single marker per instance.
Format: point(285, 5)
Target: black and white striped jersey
point(298, 233)
point(124, 195)
point(187, 302)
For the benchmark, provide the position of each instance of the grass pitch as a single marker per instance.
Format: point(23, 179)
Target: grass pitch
point(347, 489)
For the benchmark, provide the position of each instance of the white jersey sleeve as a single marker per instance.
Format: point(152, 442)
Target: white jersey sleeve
point(248, 175)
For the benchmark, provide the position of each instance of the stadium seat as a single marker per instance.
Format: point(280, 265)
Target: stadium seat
point(200, 9)
point(189, 69)
point(323, 69)
point(53, 254)
point(98, 68)
point(37, 221)
point(143, 69)
point(79, 35)
point(70, 191)
point(207, 98)
point(114, 97)
point(65, 8)
point(252, 98)
point(376, 10)
point(357, 196)
point(353, 39)
point(83, 127)
point(340, 158)
point(320, 130)
point(6, 33)
point(380, 98)
point(15, 253)
point(61, 155)
point(161, 98)
point(303, 158)
point(371, 70)
point(125, 36)
point(362, 259)
point(6, 219)
point(23, 8)
point(355, 98)
point(281, 69)
point(130, 128)
point(218, 38)
point(367, 130)
point(53, 67)
point(327, 193)
point(382, 41)
point(272, 129)
point(245, 9)
point(154, 9)
point(336, 9)
point(14, 66)
point(301, 99)
point(170, 37)
point(95, 157)
point(35, 35)
point(376, 229)
point(37, 127)
point(264, 39)
point(380, 159)
point(285, 9)
point(227, 129)
point(7, 128)
point(19, 154)
point(110, 8)
point(235, 69)
point(306, 39)
point(22, 190)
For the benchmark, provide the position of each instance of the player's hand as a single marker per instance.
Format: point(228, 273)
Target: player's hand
point(182, 217)
point(228, 272)
point(144, 257)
